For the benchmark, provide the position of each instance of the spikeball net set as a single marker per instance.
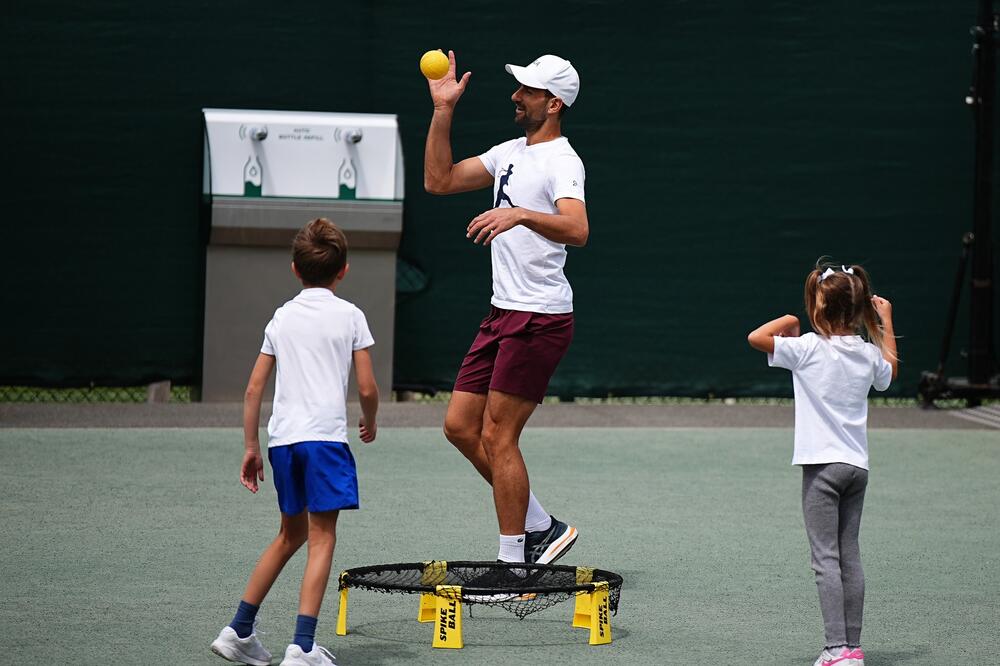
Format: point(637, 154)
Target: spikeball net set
point(521, 589)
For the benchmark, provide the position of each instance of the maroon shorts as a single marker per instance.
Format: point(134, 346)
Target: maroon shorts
point(515, 352)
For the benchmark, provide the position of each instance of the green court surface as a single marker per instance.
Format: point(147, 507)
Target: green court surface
point(132, 546)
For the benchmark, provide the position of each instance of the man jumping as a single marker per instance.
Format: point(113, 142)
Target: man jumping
point(507, 370)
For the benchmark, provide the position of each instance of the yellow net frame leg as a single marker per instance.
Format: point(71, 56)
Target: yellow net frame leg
point(448, 622)
point(428, 608)
point(582, 607)
point(600, 615)
point(342, 612)
point(434, 574)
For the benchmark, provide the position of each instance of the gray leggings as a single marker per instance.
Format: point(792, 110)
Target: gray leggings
point(832, 498)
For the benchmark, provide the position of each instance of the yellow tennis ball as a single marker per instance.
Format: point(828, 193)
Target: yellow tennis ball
point(434, 64)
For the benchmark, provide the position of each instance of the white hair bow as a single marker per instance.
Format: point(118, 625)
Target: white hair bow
point(829, 271)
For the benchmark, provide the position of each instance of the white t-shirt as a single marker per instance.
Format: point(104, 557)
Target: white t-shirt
point(313, 337)
point(831, 377)
point(527, 267)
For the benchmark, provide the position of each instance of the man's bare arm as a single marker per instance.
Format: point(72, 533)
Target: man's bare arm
point(570, 225)
point(443, 177)
point(441, 174)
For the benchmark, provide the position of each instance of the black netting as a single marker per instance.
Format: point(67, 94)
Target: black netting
point(89, 394)
point(521, 589)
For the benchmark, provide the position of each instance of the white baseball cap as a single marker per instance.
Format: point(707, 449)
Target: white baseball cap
point(550, 73)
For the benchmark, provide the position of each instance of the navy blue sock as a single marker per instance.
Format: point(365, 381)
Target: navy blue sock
point(242, 624)
point(305, 632)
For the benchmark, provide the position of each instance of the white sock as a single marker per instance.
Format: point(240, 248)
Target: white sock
point(511, 548)
point(537, 518)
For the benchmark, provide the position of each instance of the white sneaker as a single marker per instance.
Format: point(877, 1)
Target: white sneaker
point(846, 657)
point(241, 650)
point(318, 656)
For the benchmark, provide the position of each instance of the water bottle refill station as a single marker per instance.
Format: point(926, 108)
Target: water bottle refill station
point(267, 173)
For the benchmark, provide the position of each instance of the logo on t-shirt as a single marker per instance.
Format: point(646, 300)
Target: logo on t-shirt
point(501, 195)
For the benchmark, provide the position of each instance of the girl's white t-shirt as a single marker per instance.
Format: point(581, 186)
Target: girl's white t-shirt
point(313, 338)
point(831, 377)
point(527, 267)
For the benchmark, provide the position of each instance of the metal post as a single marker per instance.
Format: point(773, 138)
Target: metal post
point(981, 361)
point(956, 295)
point(982, 380)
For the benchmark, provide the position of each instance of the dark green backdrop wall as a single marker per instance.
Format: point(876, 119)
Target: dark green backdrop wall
point(727, 146)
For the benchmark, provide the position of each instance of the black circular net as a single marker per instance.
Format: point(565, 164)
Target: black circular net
point(521, 589)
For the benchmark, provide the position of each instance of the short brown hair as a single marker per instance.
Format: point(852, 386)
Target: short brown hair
point(319, 252)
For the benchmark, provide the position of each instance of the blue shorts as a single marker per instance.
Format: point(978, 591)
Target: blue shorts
point(319, 476)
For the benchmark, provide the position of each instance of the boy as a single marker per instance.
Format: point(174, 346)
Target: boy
point(312, 340)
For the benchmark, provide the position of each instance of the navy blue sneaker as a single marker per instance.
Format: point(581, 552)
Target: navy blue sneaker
point(547, 546)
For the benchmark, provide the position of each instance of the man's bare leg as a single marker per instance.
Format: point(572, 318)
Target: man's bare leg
point(503, 421)
point(463, 426)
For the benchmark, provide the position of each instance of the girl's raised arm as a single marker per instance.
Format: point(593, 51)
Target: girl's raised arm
point(762, 338)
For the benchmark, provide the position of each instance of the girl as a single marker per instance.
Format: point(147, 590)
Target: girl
point(832, 371)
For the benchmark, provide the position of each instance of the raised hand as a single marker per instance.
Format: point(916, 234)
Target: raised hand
point(883, 308)
point(791, 328)
point(446, 90)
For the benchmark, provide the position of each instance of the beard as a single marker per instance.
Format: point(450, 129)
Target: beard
point(529, 123)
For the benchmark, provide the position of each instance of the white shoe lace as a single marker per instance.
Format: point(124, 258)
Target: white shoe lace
point(326, 653)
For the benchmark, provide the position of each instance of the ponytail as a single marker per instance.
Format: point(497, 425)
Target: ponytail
point(870, 318)
point(814, 301)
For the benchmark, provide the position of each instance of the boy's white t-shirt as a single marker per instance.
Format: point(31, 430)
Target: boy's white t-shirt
point(831, 377)
point(527, 267)
point(313, 337)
